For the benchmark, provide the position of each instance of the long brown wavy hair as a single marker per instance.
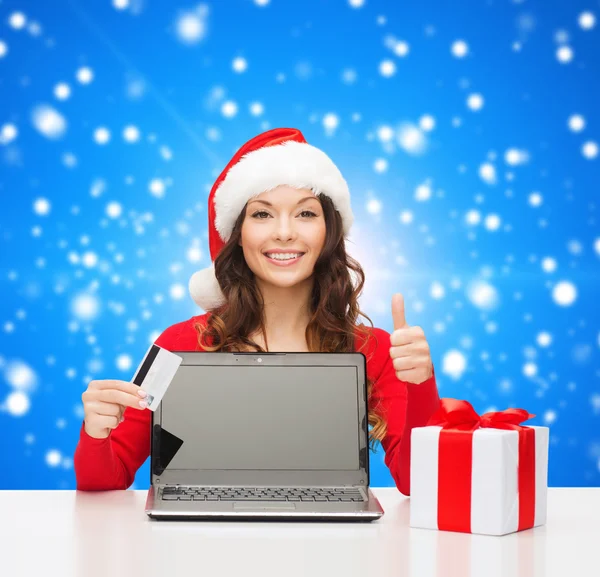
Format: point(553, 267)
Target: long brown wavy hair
point(334, 303)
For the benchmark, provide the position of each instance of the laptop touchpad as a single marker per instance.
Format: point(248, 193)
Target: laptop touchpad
point(264, 506)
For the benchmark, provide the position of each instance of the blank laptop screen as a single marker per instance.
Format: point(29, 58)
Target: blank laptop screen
point(264, 418)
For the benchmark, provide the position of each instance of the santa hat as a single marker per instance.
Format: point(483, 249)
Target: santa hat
point(277, 157)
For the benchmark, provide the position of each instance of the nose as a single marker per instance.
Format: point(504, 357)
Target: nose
point(284, 228)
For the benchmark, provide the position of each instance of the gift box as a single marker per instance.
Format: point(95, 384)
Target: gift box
point(483, 474)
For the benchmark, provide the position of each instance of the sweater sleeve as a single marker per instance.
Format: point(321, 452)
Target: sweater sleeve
point(111, 463)
point(404, 406)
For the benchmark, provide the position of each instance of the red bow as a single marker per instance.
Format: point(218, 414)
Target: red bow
point(461, 416)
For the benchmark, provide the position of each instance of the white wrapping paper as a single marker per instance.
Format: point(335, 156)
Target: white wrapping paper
point(494, 489)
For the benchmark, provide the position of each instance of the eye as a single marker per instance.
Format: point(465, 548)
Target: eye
point(310, 214)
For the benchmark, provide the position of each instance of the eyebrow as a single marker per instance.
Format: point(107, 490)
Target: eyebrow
point(269, 204)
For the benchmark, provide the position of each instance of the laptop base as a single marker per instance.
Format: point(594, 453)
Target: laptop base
point(363, 511)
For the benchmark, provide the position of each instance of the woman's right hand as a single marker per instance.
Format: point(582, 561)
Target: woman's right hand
point(104, 403)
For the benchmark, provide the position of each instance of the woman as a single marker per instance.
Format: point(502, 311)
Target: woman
point(280, 281)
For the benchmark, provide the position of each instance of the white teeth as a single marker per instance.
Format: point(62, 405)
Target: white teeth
point(284, 256)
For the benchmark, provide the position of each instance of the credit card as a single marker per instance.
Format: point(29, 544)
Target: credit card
point(155, 373)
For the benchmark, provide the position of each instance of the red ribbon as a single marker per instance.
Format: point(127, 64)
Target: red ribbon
point(459, 420)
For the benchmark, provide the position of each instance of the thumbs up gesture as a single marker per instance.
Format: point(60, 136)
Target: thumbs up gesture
point(409, 351)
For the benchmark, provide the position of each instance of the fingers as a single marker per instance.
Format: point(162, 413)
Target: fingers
point(398, 314)
point(116, 397)
point(101, 415)
point(124, 386)
point(410, 350)
point(409, 363)
point(411, 376)
point(406, 336)
point(105, 409)
point(121, 398)
point(105, 403)
point(105, 422)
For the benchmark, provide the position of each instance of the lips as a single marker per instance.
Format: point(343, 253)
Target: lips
point(286, 262)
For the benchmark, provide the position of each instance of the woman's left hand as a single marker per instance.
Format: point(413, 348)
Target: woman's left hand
point(409, 351)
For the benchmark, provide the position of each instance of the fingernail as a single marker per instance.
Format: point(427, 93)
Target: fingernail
point(122, 419)
point(142, 393)
point(143, 404)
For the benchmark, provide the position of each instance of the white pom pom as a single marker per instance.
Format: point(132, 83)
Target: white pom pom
point(205, 289)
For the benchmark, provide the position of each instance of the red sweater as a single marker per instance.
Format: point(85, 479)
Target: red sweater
point(111, 463)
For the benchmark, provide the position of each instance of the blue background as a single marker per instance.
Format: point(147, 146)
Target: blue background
point(84, 293)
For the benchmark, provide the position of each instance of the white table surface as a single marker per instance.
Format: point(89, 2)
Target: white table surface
point(108, 534)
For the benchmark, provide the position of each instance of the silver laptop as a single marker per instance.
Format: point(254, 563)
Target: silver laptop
point(263, 436)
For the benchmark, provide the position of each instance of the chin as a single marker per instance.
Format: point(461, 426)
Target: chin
point(283, 279)
point(284, 283)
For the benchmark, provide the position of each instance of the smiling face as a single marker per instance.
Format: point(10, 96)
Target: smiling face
point(282, 235)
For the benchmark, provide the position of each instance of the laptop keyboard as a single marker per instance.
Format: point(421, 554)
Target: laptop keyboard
point(181, 493)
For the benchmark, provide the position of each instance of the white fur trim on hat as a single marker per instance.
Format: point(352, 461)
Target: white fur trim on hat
point(205, 289)
point(296, 164)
